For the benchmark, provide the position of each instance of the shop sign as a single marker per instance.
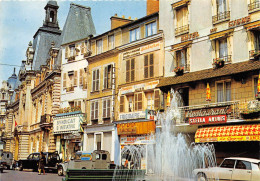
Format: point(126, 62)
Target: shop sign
point(139, 87)
point(137, 140)
point(239, 21)
point(131, 53)
point(207, 112)
point(132, 115)
point(150, 114)
point(137, 128)
point(228, 138)
point(208, 119)
point(67, 124)
point(190, 36)
point(150, 48)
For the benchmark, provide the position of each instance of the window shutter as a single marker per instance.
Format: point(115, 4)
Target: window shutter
point(64, 80)
point(104, 109)
point(140, 102)
point(96, 110)
point(151, 65)
point(75, 78)
point(136, 101)
point(121, 103)
point(108, 108)
point(80, 76)
point(83, 48)
point(77, 50)
point(128, 71)
point(67, 52)
point(105, 77)
point(92, 110)
point(93, 80)
point(156, 99)
point(132, 70)
point(97, 80)
point(85, 80)
point(146, 66)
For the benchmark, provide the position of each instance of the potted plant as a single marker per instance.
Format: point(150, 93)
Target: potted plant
point(218, 62)
point(179, 70)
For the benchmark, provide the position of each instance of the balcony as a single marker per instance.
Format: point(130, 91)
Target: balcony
point(220, 62)
point(179, 70)
point(45, 122)
point(181, 30)
point(220, 17)
point(254, 54)
point(255, 6)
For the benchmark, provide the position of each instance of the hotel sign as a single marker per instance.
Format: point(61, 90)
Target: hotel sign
point(208, 119)
point(138, 87)
point(67, 124)
point(132, 115)
point(239, 21)
point(190, 36)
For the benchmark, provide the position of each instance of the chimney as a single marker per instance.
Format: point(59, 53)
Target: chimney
point(118, 21)
point(152, 6)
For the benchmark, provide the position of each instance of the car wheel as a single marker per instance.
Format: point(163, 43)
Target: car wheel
point(21, 167)
point(201, 177)
point(60, 171)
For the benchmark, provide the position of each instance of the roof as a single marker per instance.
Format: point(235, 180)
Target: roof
point(246, 159)
point(78, 25)
point(228, 69)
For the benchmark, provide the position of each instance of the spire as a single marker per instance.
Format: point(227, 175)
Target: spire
point(51, 12)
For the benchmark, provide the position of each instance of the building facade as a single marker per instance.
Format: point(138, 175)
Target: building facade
point(214, 45)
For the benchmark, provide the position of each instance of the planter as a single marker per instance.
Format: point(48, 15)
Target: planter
point(219, 63)
point(252, 115)
point(180, 72)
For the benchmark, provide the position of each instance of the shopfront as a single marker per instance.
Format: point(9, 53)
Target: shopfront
point(68, 132)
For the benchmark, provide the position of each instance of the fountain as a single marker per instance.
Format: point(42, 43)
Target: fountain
point(172, 157)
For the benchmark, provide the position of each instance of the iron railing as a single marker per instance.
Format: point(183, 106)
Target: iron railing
point(186, 67)
point(253, 6)
point(226, 59)
point(254, 54)
point(181, 30)
point(221, 17)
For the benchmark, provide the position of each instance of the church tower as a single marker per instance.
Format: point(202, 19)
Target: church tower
point(51, 9)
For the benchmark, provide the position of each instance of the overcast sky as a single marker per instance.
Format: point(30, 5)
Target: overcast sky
point(19, 21)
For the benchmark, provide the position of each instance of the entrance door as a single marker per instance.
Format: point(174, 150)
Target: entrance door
point(242, 171)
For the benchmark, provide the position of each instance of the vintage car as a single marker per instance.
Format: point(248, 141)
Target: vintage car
point(1, 167)
point(232, 168)
point(6, 159)
point(98, 159)
point(51, 162)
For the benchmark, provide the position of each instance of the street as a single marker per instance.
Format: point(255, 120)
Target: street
point(11, 175)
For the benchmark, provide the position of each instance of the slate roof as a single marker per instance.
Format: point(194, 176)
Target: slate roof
point(78, 25)
point(229, 69)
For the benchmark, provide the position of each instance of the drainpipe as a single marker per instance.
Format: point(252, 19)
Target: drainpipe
point(113, 93)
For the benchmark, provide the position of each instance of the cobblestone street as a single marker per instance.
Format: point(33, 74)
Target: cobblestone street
point(11, 175)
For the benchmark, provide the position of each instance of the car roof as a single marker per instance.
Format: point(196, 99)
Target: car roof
point(245, 159)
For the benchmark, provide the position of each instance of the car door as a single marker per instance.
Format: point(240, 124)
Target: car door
point(226, 169)
point(242, 171)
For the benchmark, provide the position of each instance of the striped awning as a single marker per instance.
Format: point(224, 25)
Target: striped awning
point(228, 133)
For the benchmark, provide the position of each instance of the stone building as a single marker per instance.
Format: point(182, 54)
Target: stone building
point(214, 44)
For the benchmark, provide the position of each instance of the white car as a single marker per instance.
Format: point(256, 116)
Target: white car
point(232, 168)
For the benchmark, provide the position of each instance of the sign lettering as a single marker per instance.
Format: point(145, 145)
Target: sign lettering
point(239, 21)
point(208, 119)
point(190, 36)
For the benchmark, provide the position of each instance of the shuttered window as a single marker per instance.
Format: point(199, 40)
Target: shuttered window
point(128, 71)
point(108, 76)
point(81, 76)
point(94, 110)
point(85, 79)
point(75, 78)
point(106, 108)
point(138, 101)
point(83, 48)
point(132, 70)
point(148, 66)
point(64, 80)
point(95, 80)
point(182, 16)
point(122, 104)
point(157, 99)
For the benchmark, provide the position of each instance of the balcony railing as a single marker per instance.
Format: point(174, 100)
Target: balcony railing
point(186, 67)
point(254, 6)
point(254, 54)
point(181, 30)
point(221, 17)
point(226, 59)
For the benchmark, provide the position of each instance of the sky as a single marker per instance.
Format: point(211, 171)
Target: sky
point(19, 21)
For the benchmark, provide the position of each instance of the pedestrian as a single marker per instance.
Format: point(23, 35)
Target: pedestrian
point(41, 164)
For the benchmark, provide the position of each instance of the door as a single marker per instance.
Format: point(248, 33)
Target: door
point(242, 171)
point(226, 169)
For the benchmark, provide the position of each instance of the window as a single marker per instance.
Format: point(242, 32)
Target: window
point(221, 6)
point(150, 29)
point(75, 78)
point(223, 91)
point(72, 50)
point(157, 99)
point(255, 86)
point(222, 50)
point(227, 163)
point(135, 34)
point(122, 104)
point(130, 70)
point(181, 59)
point(98, 145)
point(257, 40)
point(130, 104)
point(95, 80)
point(139, 101)
point(254, 5)
point(243, 165)
point(148, 66)
point(222, 13)
point(111, 42)
point(94, 110)
point(99, 46)
point(104, 156)
point(106, 108)
point(150, 101)
point(182, 21)
point(108, 76)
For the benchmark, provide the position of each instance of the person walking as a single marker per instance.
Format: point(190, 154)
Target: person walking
point(41, 164)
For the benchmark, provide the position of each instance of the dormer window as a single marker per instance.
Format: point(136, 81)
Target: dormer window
point(99, 46)
point(134, 34)
point(150, 29)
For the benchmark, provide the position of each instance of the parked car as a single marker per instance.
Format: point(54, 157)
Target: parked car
point(6, 159)
point(1, 168)
point(232, 168)
point(51, 162)
point(98, 159)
